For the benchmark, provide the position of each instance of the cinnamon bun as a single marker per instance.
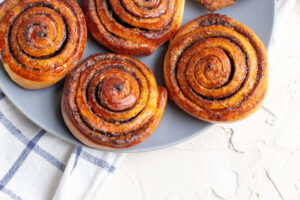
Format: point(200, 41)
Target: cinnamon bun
point(214, 5)
point(112, 101)
point(133, 27)
point(40, 40)
point(216, 69)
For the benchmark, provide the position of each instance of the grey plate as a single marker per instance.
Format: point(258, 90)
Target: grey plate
point(43, 106)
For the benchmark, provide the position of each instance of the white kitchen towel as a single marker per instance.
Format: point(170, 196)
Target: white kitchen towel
point(35, 165)
point(84, 179)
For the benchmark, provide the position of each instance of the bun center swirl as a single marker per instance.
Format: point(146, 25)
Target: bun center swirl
point(118, 93)
point(38, 33)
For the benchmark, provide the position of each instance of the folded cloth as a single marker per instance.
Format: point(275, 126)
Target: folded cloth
point(37, 166)
point(83, 178)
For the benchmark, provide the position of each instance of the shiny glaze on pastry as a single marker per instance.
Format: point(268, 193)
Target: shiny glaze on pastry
point(216, 69)
point(133, 27)
point(40, 40)
point(112, 101)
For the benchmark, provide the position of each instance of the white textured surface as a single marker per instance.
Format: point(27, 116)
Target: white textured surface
point(256, 159)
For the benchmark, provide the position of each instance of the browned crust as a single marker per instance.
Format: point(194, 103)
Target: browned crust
point(214, 5)
point(131, 41)
point(248, 95)
point(24, 69)
point(80, 124)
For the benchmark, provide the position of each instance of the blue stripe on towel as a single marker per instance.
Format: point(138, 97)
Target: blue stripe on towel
point(12, 171)
point(12, 129)
point(11, 194)
point(37, 149)
point(97, 161)
point(51, 159)
point(2, 95)
point(77, 152)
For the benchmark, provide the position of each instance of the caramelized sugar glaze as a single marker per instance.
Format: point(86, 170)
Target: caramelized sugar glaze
point(41, 41)
point(133, 27)
point(112, 101)
point(216, 69)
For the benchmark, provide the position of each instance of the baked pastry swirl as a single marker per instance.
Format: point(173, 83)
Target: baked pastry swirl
point(216, 69)
point(133, 27)
point(41, 40)
point(112, 101)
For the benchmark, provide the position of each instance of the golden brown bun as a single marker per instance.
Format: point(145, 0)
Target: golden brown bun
point(214, 5)
point(216, 69)
point(112, 102)
point(40, 41)
point(133, 27)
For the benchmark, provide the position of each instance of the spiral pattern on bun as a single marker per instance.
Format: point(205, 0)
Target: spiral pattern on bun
point(112, 101)
point(216, 69)
point(40, 40)
point(133, 27)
